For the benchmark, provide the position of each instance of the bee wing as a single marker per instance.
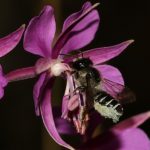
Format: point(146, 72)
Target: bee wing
point(110, 87)
point(118, 91)
point(126, 96)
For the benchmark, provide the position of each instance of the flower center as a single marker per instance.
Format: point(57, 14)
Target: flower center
point(57, 67)
point(54, 66)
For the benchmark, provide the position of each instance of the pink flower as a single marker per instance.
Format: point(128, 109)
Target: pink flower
point(78, 30)
point(125, 135)
point(7, 44)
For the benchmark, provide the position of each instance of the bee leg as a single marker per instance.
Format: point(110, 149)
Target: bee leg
point(76, 123)
point(80, 89)
point(84, 124)
point(82, 105)
point(78, 112)
point(83, 113)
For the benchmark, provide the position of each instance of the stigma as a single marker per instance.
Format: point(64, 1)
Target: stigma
point(57, 67)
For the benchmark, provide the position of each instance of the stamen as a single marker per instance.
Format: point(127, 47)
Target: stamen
point(76, 124)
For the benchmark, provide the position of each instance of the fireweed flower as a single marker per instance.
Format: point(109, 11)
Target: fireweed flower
point(7, 44)
point(123, 136)
point(78, 30)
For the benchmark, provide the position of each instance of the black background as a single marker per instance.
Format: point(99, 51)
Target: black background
point(120, 21)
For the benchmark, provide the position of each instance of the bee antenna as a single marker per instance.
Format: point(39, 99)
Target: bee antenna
point(81, 53)
point(66, 54)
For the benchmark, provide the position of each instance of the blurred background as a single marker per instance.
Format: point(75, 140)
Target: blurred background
point(20, 129)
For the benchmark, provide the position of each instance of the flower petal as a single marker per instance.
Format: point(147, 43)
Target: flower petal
point(40, 33)
point(21, 74)
point(134, 139)
point(74, 16)
point(9, 42)
point(42, 65)
point(124, 136)
point(111, 79)
point(79, 30)
point(111, 73)
point(103, 54)
point(73, 102)
point(63, 126)
point(69, 90)
point(3, 82)
point(132, 122)
point(1, 91)
point(37, 90)
point(48, 120)
point(64, 108)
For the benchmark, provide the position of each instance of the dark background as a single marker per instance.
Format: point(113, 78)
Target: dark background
point(120, 21)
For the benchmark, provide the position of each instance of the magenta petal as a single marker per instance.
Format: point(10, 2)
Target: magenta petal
point(21, 74)
point(1, 92)
point(74, 16)
point(111, 79)
point(38, 87)
point(40, 33)
point(63, 126)
point(134, 139)
point(83, 33)
point(79, 30)
point(132, 122)
point(10, 41)
point(100, 55)
point(65, 110)
point(42, 65)
point(48, 120)
point(69, 89)
point(3, 82)
point(73, 103)
point(103, 54)
point(111, 73)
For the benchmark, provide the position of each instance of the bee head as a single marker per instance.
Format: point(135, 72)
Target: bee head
point(81, 63)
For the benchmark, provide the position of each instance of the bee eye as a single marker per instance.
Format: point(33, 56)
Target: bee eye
point(81, 63)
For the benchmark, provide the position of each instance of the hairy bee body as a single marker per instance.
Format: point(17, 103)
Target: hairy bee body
point(88, 80)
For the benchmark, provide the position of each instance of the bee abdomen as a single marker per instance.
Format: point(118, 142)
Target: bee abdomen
point(107, 106)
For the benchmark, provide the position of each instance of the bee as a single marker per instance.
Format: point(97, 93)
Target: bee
point(88, 81)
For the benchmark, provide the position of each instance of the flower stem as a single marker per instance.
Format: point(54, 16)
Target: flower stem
point(21, 74)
